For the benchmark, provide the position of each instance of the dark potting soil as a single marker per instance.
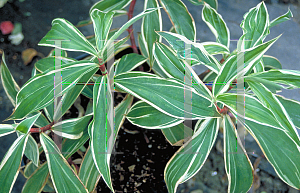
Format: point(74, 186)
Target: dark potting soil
point(139, 161)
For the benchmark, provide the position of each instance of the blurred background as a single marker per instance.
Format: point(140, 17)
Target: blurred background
point(33, 20)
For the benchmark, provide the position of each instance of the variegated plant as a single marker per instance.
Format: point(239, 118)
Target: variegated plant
point(170, 98)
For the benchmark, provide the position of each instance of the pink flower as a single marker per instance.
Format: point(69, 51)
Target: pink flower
point(6, 27)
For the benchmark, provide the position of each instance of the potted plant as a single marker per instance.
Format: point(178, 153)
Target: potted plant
point(241, 87)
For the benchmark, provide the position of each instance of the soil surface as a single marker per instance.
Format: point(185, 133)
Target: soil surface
point(141, 155)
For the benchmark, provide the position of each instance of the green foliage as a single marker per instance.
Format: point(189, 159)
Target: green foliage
point(270, 118)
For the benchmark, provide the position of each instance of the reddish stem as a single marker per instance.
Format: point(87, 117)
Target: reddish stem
point(42, 129)
point(234, 83)
point(222, 111)
point(218, 108)
point(130, 29)
point(102, 66)
point(222, 60)
point(209, 87)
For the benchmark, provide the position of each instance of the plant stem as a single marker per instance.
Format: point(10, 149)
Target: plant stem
point(222, 111)
point(222, 60)
point(102, 66)
point(130, 29)
point(42, 129)
point(230, 87)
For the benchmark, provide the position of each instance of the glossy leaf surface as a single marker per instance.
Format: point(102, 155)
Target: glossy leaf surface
point(63, 177)
point(237, 164)
point(178, 134)
point(88, 172)
point(11, 162)
point(43, 86)
point(102, 133)
point(180, 17)
point(216, 24)
point(71, 38)
point(72, 128)
point(145, 86)
point(150, 24)
point(189, 159)
point(146, 116)
point(37, 180)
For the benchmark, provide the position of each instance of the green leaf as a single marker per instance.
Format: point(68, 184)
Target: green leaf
point(180, 44)
point(180, 17)
point(252, 104)
point(272, 86)
point(211, 76)
point(63, 53)
point(88, 91)
point(285, 17)
point(127, 24)
point(166, 95)
point(41, 121)
point(214, 48)
point(70, 146)
point(72, 38)
point(43, 86)
point(10, 86)
point(271, 62)
point(270, 101)
point(259, 67)
point(292, 108)
point(178, 134)
point(151, 23)
point(6, 129)
point(111, 5)
point(63, 177)
point(168, 61)
point(280, 76)
point(175, 68)
point(69, 98)
point(120, 111)
point(189, 159)
point(102, 22)
point(49, 186)
point(49, 111)
point(129, 62)
point(88, 172)
point(26, 124)
point(158, 71)
point(212, 3)
point(37, 181)
point(48, 63)
point(146, 116)
point(72, 128)
point(230, 69)
point(29, 169)
point(10, 164)
point(216, 24)
point(32, 150)
point(34, 72)
point(279, 148)
point(102, 131)
point(255, 25)
point(237, 164)
point(142, 45)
